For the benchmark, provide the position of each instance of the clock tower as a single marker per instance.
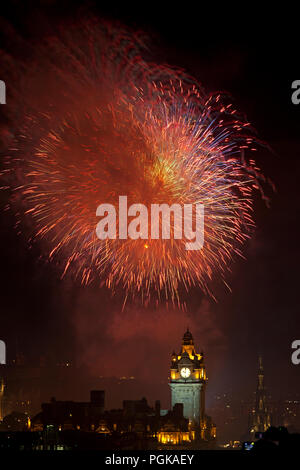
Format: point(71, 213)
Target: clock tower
point(188, 381)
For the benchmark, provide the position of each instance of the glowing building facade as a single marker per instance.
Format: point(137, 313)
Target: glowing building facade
point(188, 383)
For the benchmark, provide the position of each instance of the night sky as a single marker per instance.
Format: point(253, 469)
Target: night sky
point(255, 59)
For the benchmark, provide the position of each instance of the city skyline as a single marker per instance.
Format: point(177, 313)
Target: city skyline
point(231, 411)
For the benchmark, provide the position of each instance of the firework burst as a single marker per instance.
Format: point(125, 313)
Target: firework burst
point(106, 123)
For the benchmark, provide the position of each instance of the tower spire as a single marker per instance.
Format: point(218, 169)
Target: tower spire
point(187, 337)
point(260, 417)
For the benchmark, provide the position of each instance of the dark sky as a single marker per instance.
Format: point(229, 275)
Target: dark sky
point(254, 58)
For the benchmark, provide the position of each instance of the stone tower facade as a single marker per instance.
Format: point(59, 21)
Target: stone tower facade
point(188, 381)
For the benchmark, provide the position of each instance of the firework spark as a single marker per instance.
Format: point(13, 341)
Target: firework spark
point(107, 123)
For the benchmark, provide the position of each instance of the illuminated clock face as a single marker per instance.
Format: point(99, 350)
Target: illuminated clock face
point(185, 372)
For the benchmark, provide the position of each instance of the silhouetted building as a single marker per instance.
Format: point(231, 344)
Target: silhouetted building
point(65, 415)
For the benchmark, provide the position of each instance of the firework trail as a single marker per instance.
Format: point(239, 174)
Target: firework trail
point(94, 119)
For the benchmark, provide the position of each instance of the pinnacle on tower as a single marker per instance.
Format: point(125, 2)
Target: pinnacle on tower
point(187, 337)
